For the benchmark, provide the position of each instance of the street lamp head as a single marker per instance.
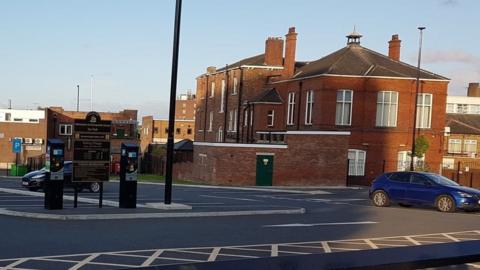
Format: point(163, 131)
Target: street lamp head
point(421, 28)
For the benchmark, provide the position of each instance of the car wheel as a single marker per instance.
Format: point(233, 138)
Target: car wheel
point(94, 187)
point(445, 203)
point(380, 198)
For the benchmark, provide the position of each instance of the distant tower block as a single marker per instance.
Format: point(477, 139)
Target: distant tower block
point(473, 90)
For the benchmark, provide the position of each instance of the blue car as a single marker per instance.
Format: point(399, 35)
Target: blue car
point(422, 188)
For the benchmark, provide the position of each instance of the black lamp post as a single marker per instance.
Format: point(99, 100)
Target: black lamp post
point(414, 128)
point(173, 94)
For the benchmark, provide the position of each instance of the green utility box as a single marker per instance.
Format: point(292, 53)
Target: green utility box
point(18, 170)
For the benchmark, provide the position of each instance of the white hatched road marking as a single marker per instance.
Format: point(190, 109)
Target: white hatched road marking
point(152, 258)
point(214, 254)
point(228, 251)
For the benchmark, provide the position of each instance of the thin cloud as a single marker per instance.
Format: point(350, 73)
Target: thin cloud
point(450, 56)
point(450, 2)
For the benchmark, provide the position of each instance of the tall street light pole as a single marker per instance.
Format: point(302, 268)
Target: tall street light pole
point(414, 128)
point(173, 94)
point(78, 97)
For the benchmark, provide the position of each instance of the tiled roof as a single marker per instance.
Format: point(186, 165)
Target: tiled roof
point(463, 123)
point(356, 60)
point(268, 96)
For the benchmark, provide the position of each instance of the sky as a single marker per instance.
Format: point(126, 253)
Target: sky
point(48, 47)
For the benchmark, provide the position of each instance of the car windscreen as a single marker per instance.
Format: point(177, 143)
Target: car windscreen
point(442, 180)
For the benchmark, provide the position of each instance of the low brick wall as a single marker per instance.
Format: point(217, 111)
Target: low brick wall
point(306, 160)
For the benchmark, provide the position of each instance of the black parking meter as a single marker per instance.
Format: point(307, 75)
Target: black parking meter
point(53, 184)
point(128, 175)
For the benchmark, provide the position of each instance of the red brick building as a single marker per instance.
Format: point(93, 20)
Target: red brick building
point(271, 99)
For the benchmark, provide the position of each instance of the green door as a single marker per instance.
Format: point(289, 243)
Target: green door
point(264, 170)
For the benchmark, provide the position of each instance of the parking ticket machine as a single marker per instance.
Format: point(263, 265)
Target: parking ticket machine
point(128, 175)
point(53, 185)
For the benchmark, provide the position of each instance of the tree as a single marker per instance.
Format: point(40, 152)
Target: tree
point(421, 146)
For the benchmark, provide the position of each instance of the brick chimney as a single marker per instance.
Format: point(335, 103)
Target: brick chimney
point(274, 51)
point(290, 47)
point(394, 48)
point(473, 90)
point(211, 69)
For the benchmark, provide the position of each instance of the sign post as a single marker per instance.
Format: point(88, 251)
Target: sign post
point(91, 151)
point(16, 148)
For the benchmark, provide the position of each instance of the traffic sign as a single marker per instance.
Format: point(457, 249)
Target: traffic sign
point(17, 145)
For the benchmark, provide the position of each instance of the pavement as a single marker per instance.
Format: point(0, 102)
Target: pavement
point(334, 219)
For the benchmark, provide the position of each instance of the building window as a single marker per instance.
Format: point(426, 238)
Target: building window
point(450, 108)
point(166, 130)
point(470, 146)
point(309, 108)
point(8, 117)
point(424, 111)
point(178, 131)
point(235, 116)
point(404, 161)
point(18, 119)
point(356, 162)
point(474, 109)
point(220, 134)
point(270, 118)
point(189, 131)
point(33, 120)
point(212, 90)
point(155, 130)
point(235, 86)
point(222, 100)
point(65, 129)
point(455, 146)
point(448, 163)
point(210, 122)
point(462, 108)
point(291, 108)
point(230, 120)
point(343, 116)
point(387, 104)
point(245, 118)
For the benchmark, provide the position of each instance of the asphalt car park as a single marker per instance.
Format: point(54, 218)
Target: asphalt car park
point(343, 218)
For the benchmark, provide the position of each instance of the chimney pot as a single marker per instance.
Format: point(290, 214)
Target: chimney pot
point(274, 51)
point(290, 49)
point(473, 90)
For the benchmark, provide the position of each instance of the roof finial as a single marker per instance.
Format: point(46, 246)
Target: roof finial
point(354, 37)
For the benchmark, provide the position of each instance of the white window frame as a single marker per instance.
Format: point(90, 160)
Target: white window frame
point(356, 164)
point(454, 146)
point(404, 160)
point(210, 122)
point(271, 118)
point(291, 109)
point(235, 85)
point(309, 107)
point(424, 111)
point(212, 89)
point(220, 134)
point(387, 108)
point(343, 102)
point(235, 116)
point(467, 143)
point(222, 96)
point(245, 118)
point(68, 129)
point(230, 120)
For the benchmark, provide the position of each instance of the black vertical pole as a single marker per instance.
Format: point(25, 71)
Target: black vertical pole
point(458, 172)
point(173, 93)
point(471, 179)
point(416, 98)
point(348, 170)
point(100, 199)
point(75, 196)
point(78, 97)
point(383, 166)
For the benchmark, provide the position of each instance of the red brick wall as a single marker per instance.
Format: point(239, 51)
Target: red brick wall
point(308, 160)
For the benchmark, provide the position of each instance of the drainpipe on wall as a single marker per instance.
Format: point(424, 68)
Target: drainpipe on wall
point(239, 106)
point(300, 84)
point(225, 100)
point(252, 118)
point(206, 104)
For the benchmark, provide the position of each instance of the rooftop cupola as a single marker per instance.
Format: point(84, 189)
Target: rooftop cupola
point(354, 38)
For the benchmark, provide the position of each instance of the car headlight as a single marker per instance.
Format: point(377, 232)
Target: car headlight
point(41, 176)
point(464, 195)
